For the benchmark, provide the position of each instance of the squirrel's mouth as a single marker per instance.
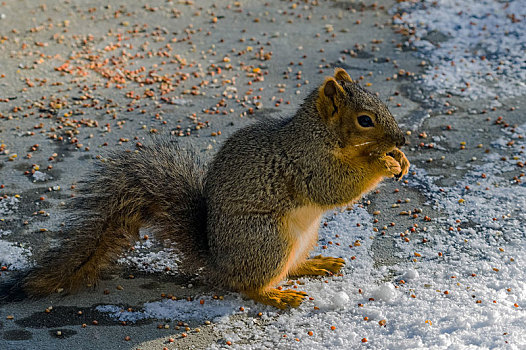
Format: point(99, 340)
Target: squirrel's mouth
point(374, 149)
point(381, 150)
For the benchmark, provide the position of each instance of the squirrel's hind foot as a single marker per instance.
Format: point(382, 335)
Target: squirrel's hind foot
point(281, 299)
point(319, 266)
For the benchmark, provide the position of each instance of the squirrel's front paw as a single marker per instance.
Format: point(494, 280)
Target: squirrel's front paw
point(402, 160)
point(390, 166)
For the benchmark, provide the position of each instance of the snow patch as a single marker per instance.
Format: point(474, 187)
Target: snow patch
point(148, 257)
point(475, 47)
point(14, 256)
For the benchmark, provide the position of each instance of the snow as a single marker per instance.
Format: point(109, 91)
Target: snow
point(341, 300)
point(386, 292)
point(39, 176)
point(12, 255)
point(484, 48)
point(150, 260)
point(8, 205)
point(177, 309)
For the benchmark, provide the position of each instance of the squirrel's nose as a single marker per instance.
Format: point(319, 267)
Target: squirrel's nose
point(401, 141)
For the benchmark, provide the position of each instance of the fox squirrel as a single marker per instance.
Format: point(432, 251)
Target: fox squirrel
point(249, 218)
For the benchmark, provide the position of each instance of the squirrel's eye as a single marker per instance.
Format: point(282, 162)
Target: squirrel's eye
point(365, 121)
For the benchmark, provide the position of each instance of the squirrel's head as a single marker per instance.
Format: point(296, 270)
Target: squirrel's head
point(361, 120)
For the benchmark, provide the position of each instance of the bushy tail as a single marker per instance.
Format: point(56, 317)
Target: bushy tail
point(160, 186)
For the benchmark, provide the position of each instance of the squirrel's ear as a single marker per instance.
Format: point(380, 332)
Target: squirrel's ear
point(331, 88)
point(341, 74)
point(330, 96)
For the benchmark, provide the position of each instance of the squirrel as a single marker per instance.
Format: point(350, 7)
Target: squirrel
point(248, 219)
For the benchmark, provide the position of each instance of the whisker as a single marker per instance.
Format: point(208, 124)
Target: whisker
point(361, 144)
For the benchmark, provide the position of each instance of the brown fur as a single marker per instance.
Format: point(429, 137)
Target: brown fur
point(252, 217)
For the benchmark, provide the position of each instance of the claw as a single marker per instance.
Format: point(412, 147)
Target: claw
point(319, 266)
point(281, 299)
